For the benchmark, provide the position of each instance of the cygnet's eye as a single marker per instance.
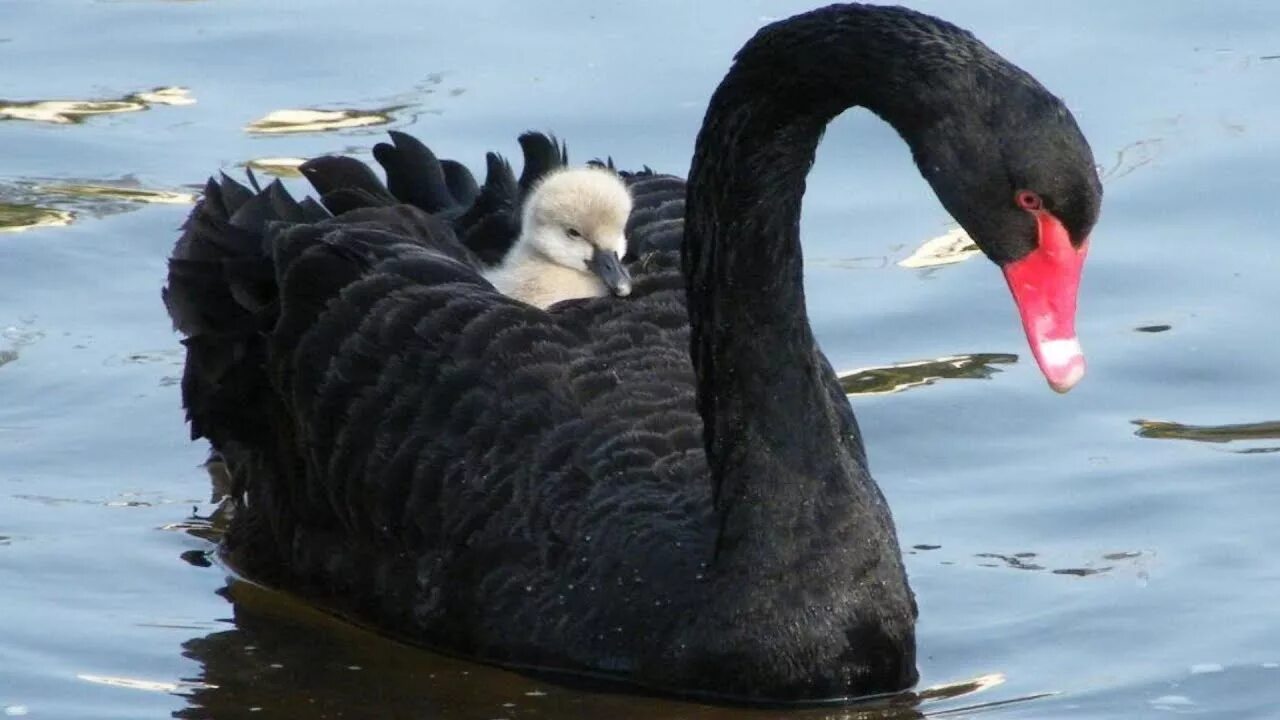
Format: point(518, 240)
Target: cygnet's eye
point(573, 233)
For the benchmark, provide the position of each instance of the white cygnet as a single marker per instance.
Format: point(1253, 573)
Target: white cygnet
point(572, 240)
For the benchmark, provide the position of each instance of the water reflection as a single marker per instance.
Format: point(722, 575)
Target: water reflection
point(138, 683)
point(31, 203)
point(1131, 157)
point(17, 217)
point(1029, 561)
point(279, 122)
point(277, 166)
point(1221, 434)
point(917, 373)
point(1133, 561)
point(278, 657)
point(123, 499)
point(66, 112)
point(14, 338)
point(951, 247)
point(125, 189)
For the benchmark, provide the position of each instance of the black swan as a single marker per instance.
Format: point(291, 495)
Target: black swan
point(667, 490)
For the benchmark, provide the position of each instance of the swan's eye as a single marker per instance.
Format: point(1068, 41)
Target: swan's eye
point(1028, 200)
point(573, 233)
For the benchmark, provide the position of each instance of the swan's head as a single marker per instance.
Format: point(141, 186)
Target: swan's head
point(1020, 178)
point(578, 218)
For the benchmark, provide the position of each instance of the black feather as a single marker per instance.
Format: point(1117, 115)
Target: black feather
point(345, 184)
point(667, 490)
point(542, 154)
point(462, 184)
point(414, 174)
point(492, 223)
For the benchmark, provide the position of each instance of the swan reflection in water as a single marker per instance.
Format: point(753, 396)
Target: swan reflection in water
point(283, 658)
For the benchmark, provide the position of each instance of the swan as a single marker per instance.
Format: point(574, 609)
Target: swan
point(669, 492)
point(572, 239)
point(486, 218)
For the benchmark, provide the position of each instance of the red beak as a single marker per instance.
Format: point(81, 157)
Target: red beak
point(1044, 286)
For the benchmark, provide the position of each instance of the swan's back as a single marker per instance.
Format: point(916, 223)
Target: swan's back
point(459, 466)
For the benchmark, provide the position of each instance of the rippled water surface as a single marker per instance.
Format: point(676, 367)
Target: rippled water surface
point(1107, 554)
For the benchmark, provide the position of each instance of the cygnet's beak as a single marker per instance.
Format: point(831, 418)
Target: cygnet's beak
point(608, 266)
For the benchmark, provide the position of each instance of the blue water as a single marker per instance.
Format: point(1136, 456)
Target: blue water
point(1084, 570)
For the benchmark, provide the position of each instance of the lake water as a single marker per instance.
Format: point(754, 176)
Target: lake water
point(1069, 563)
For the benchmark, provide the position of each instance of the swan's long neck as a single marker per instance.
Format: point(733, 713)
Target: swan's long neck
point(786, 459)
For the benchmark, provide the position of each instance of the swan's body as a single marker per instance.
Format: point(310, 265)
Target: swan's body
point(669, 491)
point(572, 240)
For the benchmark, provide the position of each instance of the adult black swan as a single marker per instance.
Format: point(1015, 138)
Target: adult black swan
point(667, 490)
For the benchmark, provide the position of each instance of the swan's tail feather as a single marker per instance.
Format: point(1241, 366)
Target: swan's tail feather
point(414, 174)
point(345, 184)
point(252, 284)
point(462, 184)
point(221, 293)
point(492, 223)
point(543, 153)
point(606, 163)
point(197, 296)
point(484, 217)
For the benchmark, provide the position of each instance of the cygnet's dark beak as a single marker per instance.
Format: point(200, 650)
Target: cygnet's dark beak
point(608, 266)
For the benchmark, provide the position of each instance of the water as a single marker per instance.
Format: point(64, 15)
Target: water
point(1081, 565)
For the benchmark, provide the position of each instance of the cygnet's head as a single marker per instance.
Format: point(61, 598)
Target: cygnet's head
point(577, 218)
